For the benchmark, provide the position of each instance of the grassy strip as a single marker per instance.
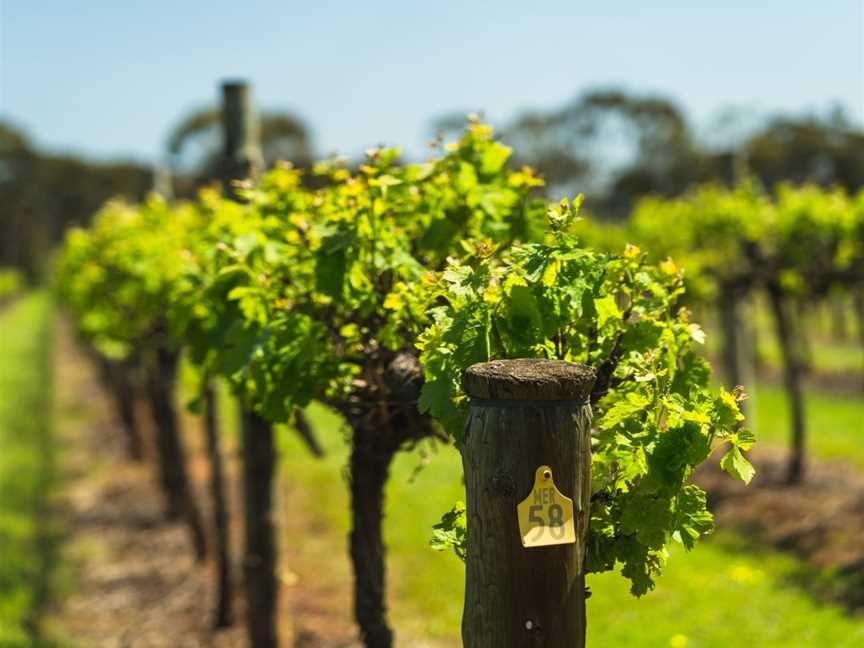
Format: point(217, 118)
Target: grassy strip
point(27, 470)
point(722, 594)
point(827, 355)
point(835, 424)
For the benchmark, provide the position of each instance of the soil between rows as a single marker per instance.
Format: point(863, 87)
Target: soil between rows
point(135, 581)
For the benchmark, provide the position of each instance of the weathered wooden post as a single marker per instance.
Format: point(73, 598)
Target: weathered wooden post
point(242, 161)
point(223, 615)
point(241, 139)
point(735, 312)
point(527, 462)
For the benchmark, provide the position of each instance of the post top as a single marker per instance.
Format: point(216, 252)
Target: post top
point(528, 379)
point(236, 89)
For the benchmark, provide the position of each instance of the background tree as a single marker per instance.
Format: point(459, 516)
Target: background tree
point(613, 145)
point(823, 151)
point(195, 146)
point(41, 195)
point(618, 146)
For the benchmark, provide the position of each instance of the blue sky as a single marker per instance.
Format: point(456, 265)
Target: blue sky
point(109, 79)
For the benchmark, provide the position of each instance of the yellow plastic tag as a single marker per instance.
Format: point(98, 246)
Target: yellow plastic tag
point(545, 516)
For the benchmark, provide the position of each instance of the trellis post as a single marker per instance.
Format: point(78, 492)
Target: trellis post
point(242, 161)
point(526, 453)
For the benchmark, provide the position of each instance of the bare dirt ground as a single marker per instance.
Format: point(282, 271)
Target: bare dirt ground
point(135, 581)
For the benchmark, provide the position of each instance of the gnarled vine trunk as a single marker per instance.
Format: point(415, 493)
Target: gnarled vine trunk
point(222, 616)
point(383, 418)
point(259, 560)
point(802, 340)
point(161, 379)
point(118, 378)
point(792, 374)
point(370, 467)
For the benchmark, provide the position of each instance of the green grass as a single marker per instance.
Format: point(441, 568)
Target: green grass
point(722, 594)
point(27, 470)
point(11, 282)
point(827, 354)
point(835, 424)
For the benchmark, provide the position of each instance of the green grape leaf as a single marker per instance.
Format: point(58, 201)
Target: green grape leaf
point(451, 532)
point(734, 463)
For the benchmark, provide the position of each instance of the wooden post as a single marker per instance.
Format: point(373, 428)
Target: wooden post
point(242, 161)
point(739, 349)
point(524, 414)
point(240, 130)
point(222, 613)
point(163, 181)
